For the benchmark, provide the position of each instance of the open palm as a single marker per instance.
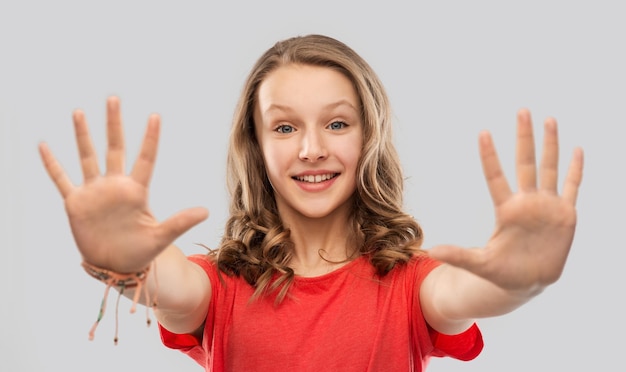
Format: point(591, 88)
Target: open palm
point(109, 214)
point(535, 225)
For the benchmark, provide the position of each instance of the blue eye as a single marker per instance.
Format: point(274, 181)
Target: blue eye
point(336, 125)
point(284, 129)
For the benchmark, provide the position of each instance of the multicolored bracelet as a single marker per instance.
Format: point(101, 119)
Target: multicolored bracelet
point(123, 282)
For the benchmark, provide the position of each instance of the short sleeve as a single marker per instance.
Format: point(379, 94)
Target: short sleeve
point(464, 346)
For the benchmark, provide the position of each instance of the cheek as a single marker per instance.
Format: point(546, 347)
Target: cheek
point(275, 160)
point(354, 159)
point(352, 153)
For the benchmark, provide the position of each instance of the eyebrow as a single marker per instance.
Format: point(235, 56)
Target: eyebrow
point(330, 106)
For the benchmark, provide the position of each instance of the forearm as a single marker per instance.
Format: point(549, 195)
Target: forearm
point(183, 292)
point(456, 298)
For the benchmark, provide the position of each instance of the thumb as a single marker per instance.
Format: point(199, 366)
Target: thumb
point(179, 223)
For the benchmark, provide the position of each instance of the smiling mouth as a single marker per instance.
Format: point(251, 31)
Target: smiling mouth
point(316, 178)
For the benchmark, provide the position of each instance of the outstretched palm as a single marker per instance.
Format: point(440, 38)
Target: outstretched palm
point(109, 214)
point(534, 226)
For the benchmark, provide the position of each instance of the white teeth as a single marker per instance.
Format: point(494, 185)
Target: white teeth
point(317, 178)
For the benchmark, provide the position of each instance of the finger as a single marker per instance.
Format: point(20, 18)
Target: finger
point(549, 171)
point(142, 170)
point(115, 137)
point(526, 166)
point(55, 171)
point(496, 181)
point(574, 177)
point(180, 223)
point(86, 151)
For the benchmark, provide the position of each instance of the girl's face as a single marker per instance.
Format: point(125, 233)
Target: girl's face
point(308, 124)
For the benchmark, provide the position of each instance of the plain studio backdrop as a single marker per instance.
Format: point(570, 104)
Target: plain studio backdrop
point(451, 69)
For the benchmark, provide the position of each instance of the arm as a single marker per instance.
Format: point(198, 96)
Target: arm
point(529, 247)
point(114, 228)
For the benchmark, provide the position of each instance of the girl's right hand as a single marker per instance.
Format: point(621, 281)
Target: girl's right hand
point(109, 215)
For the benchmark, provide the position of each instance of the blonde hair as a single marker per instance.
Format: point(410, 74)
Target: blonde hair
point(256, 245)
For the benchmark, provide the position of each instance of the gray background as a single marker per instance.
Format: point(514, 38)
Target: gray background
point(451, 68)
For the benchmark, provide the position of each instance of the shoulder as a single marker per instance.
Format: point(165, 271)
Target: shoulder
point(419, 266)
point(209, 266)
point(205, 261)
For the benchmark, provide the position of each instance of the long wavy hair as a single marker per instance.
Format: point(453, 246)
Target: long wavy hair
point(255, 244)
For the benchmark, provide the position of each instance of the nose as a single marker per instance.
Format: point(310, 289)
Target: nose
point(313, 148)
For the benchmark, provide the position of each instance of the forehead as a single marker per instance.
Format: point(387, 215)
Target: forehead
point(297, 86)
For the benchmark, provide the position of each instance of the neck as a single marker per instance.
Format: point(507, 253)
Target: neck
point(321, 245)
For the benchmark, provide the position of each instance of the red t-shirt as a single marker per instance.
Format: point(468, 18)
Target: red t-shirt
point(347, 320)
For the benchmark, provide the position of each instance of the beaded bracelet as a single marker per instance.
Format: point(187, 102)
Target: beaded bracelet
point(122, 281)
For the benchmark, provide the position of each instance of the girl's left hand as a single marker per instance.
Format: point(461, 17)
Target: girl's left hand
point(534, 226)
